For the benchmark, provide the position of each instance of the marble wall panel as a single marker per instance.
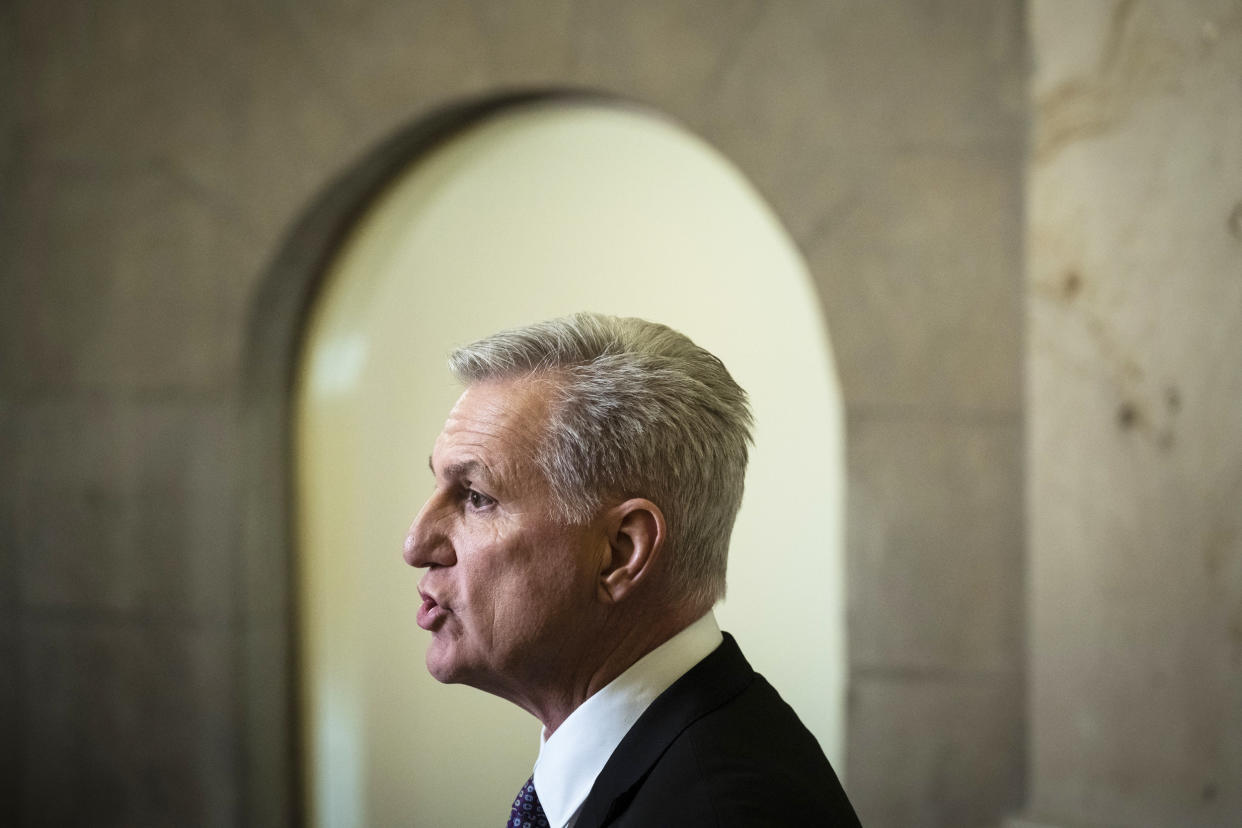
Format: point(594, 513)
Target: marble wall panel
point(1135, 438)
point(123, 506)
point(12, 772)
point(121, 277)
point(861, 80)
point(272, 748)
point(641, 47)
point(919, 264)
point(911, 74)
point(935, 543)
point(74, 471)
point(189, 533)
point(8, 92)
point(942, 752)
point(130, 83)
point(8, 510)
point(127, 726)
point(529, 44)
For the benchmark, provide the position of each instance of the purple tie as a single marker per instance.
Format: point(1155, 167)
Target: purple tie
point(527, 812)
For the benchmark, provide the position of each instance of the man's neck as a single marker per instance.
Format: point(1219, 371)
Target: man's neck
point(628, 642)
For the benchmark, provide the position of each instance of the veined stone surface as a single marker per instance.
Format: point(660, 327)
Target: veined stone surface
point(1134, 394)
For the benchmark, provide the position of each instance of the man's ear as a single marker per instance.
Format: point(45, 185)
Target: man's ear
point(636, 535)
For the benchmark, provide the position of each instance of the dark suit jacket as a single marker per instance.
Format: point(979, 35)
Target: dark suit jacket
point(719, 748)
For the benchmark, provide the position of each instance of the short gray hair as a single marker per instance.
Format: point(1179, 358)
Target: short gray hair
point(637, 410)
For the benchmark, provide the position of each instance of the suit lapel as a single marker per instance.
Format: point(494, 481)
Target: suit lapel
point(708, 685)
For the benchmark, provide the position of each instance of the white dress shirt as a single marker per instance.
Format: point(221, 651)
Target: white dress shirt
point(574, 755)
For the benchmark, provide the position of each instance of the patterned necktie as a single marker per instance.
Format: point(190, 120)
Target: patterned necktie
point(527, 812)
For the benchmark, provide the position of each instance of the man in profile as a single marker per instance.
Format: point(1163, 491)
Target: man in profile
point(586, 485)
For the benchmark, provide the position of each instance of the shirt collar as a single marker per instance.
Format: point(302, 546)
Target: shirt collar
point(571, 758)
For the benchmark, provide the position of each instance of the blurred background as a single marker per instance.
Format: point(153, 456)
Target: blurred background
point(1024, 224)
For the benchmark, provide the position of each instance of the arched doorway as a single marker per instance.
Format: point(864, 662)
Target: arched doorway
point(522, 211)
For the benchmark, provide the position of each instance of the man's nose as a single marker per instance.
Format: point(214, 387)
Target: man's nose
point(426, 542)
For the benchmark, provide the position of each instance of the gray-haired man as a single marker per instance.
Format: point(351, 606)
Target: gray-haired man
point(586, 487)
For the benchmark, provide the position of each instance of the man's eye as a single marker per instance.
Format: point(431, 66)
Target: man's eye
point(478, 500)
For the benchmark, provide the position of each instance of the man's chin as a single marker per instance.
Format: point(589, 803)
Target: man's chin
point(440, 670)
point(443, 666)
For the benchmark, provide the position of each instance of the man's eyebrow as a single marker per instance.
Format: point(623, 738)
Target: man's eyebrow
point(467, 469)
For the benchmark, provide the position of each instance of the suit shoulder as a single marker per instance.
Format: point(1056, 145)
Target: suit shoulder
point(748, 762)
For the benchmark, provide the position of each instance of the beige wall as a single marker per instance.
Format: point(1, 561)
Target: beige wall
point(1135, 408)
point(153, 157)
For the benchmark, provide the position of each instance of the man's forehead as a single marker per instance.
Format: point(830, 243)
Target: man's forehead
point(512, 405)
point(494, 424)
